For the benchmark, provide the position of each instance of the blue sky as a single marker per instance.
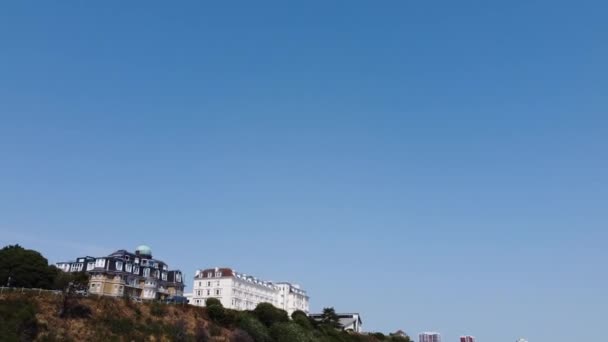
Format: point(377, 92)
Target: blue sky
point(431, 165)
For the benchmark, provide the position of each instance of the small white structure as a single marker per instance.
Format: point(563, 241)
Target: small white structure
point(240, 291)
point(188, 297)
point(348, 321)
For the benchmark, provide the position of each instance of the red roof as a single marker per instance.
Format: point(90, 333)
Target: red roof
point(226, 272)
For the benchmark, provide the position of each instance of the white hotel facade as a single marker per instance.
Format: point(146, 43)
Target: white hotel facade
point(240, 291)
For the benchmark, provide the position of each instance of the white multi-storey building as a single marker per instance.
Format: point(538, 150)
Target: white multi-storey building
point(291, 298)
point(240, 291)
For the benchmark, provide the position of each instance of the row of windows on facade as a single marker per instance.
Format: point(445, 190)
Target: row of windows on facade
point(78, 267)
point(237, 284)
point(218, 292)
point(218, 274)
point(102, 262)
point(235, 303)
point(128, 280)
point(145, 262)
point(200, 283)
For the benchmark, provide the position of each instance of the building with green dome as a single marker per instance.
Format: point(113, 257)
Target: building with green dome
point(123, 273)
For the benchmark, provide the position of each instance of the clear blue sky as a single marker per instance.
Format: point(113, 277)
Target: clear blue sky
point(431, 165)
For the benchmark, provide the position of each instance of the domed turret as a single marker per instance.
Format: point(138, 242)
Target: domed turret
point(144, 250)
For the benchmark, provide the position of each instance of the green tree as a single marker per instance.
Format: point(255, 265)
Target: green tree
point(396, 338)
point(62, 280)
point(302, 319)
point(254, 328)
point(20, 267)
point(268, 314)
point(379, 336)
point(216, 313)
point(330, 318)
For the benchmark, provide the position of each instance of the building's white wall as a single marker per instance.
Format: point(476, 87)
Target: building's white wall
point(290, 301)
point(239, 292)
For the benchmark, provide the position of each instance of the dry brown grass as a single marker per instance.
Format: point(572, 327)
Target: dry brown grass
point(114, 319)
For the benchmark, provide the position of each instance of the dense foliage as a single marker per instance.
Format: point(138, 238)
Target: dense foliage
point(20, 267)
point(18, 320)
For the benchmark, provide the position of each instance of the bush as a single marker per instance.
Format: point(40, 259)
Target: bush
point(290, 332)
point(254, 328)
point(298, 313)
point(395, 338)
point(76, 310)
point(179, 332)
point(378, 335)
point(215, 330)
point(213, 301)
point(18, 320)
point(119, 326)
point(157, 309)
point(240, 336)
point(200, 334)
point(268, 314)
point(216, 313)
point(231, 317)
point(300, 318)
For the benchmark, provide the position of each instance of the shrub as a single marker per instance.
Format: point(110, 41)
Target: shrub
point(179, 332)
point(240, 336)
point(76, 310)
point(268, 314)
point(215, 330)
point(18, 320)
point(216, 313)
point(213, 301)
point(231, 317)
point(378, 335)
point(290, 332)
point(119, 326)
point(298, 313)
point(300, 318)
point(200, 333)
point(254, 328)
point(137, 311)
point(396, 338)
point(157, 309)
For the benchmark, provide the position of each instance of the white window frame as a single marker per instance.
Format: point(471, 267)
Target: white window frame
point(100, 262)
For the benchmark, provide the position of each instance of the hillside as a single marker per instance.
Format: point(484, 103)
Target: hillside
point(47, 316)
